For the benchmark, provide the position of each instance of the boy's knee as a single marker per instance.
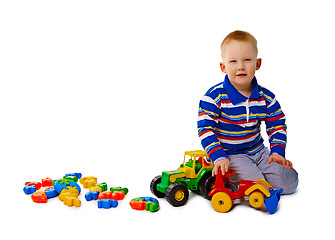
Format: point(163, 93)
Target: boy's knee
point(289, 181)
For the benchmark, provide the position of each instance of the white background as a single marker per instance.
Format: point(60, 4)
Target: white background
point(111, 89)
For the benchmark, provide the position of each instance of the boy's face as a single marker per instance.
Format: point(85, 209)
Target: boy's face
point(240, 63)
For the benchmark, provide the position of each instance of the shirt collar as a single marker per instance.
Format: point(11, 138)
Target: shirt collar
point(235, 96)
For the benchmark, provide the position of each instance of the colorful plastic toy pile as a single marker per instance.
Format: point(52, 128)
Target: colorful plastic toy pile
point(68, 190)
point(106, 199)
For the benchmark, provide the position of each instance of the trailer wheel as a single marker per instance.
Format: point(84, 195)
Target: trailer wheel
point(256, 199)
point(221, 202)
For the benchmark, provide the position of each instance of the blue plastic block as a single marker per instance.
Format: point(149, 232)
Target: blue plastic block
point(107, 203)
point(51, 193)
point(78, 175)
point(149, 199)
point(93, 195)
point(29, 189)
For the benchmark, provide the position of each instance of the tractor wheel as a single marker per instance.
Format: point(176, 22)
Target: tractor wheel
point(153, 187)
point(206, 184)
point(177, 194)
point(221, 202)
point(256, 199)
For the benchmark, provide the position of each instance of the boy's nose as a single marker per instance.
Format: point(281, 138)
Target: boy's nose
point(240, 66)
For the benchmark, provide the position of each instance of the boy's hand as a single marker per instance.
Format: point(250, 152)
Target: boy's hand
point(275, 157)
point(224, 164)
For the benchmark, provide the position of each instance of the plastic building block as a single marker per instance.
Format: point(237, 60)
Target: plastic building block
point(118, 195)
point(60, 184)
point(72, 178)
point(29, 189)
point(39, 197)
point(68, 192)
point(107, 203)
point(103, 186)
point(69, 196)
point(145, 203)
point(119, 189)
point(105, 195)
point(151, 206)
point(112, 195)
point(78, 175)
point(72, 201)
point(92, 195)
point(88, 181)
point(36, 184)
point(46, 182)
point(51, 192)
point(95, 188)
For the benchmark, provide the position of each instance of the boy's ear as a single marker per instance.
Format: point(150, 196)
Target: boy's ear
point(223, 67)
point(258, 63)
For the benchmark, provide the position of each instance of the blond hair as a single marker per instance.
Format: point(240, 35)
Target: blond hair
point(239, 36)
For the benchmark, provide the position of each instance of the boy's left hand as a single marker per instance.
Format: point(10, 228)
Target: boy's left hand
point(275, 157)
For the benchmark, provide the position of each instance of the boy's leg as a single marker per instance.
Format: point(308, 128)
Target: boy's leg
point(245, 168)
point(277, 175)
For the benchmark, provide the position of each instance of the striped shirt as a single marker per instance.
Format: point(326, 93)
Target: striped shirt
point(229, 123)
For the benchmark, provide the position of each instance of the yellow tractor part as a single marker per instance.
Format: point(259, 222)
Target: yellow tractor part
point(173, 178)
point(221, 202)
point(190, 171)
point(256, 199)
point(258, 187)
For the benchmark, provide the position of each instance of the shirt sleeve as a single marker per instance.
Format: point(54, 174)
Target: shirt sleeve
point(275, 126)
point(208, 116)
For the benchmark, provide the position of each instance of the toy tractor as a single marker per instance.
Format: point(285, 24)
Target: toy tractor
point(194, 174)
point(260, 192)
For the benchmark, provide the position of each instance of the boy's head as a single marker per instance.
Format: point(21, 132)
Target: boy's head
point(239, 54)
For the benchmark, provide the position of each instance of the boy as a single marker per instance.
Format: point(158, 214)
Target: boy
point(230, 114)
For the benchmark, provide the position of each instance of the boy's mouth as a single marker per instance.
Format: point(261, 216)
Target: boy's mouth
point(241, 75)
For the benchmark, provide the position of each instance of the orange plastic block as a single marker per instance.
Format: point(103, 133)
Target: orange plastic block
point(39, 197)
point(88, 182)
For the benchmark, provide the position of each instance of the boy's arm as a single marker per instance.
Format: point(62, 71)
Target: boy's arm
point(275, 126)
point(208, 117)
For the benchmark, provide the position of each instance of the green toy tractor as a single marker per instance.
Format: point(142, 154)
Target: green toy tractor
point(195, 174)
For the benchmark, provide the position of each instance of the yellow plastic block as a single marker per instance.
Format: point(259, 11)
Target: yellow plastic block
point(88, 182)
point(72, 201)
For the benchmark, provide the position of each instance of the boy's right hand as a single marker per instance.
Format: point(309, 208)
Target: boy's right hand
point(224, 164)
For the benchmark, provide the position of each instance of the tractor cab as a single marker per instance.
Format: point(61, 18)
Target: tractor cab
point(194, 162)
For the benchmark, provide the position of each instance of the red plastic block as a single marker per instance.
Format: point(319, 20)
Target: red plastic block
point(137, 205)
point(105, 195)
point(46, 182)
point(118, 195)
point(39, 197)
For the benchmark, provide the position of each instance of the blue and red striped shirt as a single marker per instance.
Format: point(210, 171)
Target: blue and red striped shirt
point(229, 122)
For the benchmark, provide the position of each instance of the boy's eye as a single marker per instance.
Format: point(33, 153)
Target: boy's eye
point(233, 61)
point(247, 60)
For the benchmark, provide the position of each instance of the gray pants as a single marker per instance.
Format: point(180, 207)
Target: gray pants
point(253, 167)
